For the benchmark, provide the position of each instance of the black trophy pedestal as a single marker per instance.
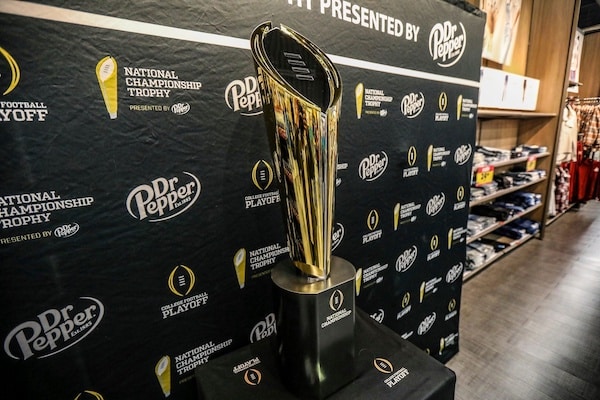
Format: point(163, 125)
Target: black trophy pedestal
point(315, 328)
point(386, 367)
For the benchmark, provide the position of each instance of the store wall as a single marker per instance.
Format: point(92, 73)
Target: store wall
point(589, 74)
point(136, 176)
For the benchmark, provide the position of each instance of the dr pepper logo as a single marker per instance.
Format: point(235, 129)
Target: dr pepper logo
point(54, 330)
point(447, 43)
point(373, 166)
point(163, 198)
point(243, 96)
point(412, 104)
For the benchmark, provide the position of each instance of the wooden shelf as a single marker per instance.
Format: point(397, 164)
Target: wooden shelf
point(469, 274)
point(503, 192)
point(498, 224)
point(511, 161)
point(486, 113)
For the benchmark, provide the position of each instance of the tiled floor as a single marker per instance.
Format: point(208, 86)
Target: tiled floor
point(530, 323)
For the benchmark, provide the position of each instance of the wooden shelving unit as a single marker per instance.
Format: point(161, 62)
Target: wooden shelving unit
point(543, 54)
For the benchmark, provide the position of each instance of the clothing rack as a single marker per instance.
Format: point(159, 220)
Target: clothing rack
point(585, 100)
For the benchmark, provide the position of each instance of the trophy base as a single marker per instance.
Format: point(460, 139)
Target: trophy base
point(315, 328)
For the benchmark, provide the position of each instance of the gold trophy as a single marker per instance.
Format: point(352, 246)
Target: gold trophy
point(239, 262)
point(358, 280)
point(315, 292)
point(450, 237)
point(459, 102)
point(359, 94)
point(396, 215)
point(429, 157)
point(106, 73)
point(163, 374)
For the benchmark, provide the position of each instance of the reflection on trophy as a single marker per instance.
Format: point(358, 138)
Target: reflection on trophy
point(359, 94)
point(442, 345)
point(163, 374)
point(429, 157)
point(396, 215)
point(301, 94)
point(89, 395)
point(106, 73)
point(358, 280)
point(239, 262)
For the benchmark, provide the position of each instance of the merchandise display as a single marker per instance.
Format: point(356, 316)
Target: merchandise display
point(528, 132)
point(499, 197)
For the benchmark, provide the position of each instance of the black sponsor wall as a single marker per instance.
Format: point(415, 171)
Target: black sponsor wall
point(123, 221)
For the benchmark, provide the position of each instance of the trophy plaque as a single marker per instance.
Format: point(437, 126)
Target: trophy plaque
point(315, 291)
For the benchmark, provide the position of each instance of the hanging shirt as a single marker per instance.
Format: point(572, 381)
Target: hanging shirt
point(589, 125)
point(567, 141)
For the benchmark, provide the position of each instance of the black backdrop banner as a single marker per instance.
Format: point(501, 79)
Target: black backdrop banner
point(139, 217)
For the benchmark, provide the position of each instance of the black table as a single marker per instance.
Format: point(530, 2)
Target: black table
point(387, 367)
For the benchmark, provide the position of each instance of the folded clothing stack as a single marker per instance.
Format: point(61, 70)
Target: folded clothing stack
point(530, 226)
point(477, 193)
point(518, 177)
point(515, 208)
point(478, 223)
point(483, 190)
point(524, 199)
point(474, 259)
point(478, 253)
point(479, 160)
point(490, 210)
point(511, 231)
point(491, 155)
point(505, 207)
point(518, 229)
point(504, 181)
point(498, 246)
point(487, 155)
point(527, 149)
point(490, 188)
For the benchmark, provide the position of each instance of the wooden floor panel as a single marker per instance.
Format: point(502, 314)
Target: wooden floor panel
point(530, 324)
